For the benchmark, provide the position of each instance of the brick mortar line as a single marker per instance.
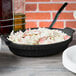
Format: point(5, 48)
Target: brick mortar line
point(37, 20)
point(47, 20)
point(65, 11)
point(37, 23)
point(49, 2)
point(51, 15)
point(64, 24)
point(38, 11)
point(37, 7)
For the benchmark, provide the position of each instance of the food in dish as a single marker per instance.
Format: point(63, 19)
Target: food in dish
point(40, 36)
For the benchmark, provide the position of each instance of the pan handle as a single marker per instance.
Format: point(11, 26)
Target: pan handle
point(69, 31)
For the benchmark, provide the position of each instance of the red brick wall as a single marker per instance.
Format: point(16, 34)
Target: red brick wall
point(42, 12)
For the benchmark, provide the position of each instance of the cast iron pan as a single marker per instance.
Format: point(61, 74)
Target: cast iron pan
point(41, 50)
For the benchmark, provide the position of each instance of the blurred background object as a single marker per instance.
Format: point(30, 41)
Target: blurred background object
point(19, 14)
point(6, 16)
point(12, 15)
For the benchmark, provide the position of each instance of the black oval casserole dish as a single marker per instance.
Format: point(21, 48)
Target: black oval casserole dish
point(39, 50)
